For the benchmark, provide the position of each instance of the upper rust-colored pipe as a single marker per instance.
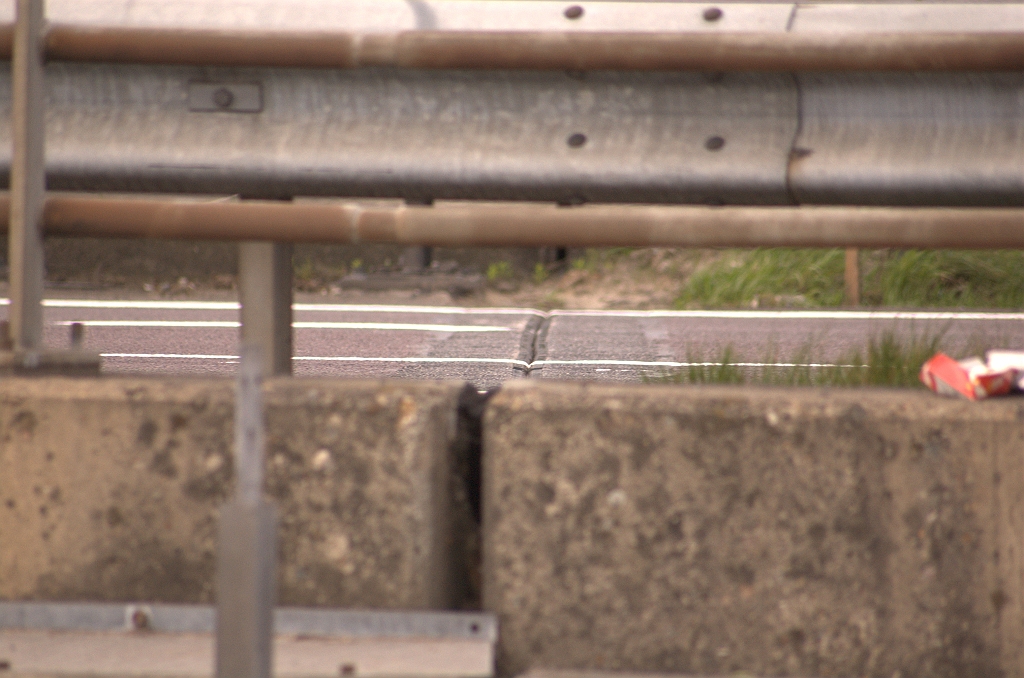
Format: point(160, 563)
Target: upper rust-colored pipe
point(532, 225)
point(720, 51)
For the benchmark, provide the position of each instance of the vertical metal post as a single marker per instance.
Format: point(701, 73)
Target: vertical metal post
point(28, 178)
point(416, 259)
point(247, 542)
point(851, 276)
point(265, 292)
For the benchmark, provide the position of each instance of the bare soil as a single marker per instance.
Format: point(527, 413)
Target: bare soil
point(615, 279)
point(591, 279)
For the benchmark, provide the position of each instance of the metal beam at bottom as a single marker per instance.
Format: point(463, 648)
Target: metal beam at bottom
point(537, 225)
point(319, 622)
point(159, 639)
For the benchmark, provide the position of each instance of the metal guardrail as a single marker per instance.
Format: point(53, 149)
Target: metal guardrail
point(894, 139)
point(719, 134)
point(371, 104)
point(738, 104)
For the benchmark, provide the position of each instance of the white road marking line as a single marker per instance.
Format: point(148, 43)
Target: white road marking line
point(669, 363)
point(205, 324)
point(802, 315)
point(354, 359)
point(380, 308)
point(231, 324)
point(455, 310)
point(486, 361)
point(234, 306)
point(359, 359)
point(164, 305)
point(196, 356)
point(412, 327)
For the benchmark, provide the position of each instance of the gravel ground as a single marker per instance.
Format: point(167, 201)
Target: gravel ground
point(596, 279)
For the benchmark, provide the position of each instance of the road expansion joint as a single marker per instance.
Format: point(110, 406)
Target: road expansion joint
point(533, 345)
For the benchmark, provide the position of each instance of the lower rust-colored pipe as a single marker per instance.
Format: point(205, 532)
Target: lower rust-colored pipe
point(531, 224)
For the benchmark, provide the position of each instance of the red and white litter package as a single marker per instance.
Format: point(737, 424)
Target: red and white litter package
point(1000, 373)
point(1007, 360)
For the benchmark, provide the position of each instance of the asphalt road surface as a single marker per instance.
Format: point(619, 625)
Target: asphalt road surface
point(487, 346)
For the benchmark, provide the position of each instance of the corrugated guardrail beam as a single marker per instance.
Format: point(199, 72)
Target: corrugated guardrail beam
point(519, 224)
point(503, 104)
point(921, 139)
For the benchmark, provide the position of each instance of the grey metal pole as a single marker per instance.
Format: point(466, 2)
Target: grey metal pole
point(265, 292)
point(247, 542)
point(416, 259)
point(28, 179)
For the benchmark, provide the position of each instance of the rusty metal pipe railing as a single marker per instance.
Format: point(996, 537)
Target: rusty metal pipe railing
point(720, 51)
point(530, 224)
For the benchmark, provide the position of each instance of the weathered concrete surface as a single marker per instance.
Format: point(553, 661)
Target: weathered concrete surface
point(781, 532)
point(110, 487)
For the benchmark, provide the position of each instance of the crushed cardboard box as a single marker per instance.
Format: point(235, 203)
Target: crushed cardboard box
point(1001, 372)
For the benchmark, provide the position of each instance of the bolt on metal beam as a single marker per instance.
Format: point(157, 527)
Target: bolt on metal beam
point(247, 541)
point(28, 179)
point(265, 293)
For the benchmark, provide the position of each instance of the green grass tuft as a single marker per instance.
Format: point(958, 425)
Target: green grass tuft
point(499, 270)
point(721, 371)
point(814, 277)
point(740, 276)
point(990, 279)
point(888, 361)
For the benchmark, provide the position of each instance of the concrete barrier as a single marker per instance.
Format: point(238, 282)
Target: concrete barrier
point(109, 489)
point(781, 532)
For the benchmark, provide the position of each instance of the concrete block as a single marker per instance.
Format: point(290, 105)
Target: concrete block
point(782, 532)
point(110, 489)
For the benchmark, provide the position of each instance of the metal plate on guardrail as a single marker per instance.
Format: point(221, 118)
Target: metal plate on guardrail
point(226, 97)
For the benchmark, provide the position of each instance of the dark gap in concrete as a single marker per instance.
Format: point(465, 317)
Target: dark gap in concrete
point(467, 497)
